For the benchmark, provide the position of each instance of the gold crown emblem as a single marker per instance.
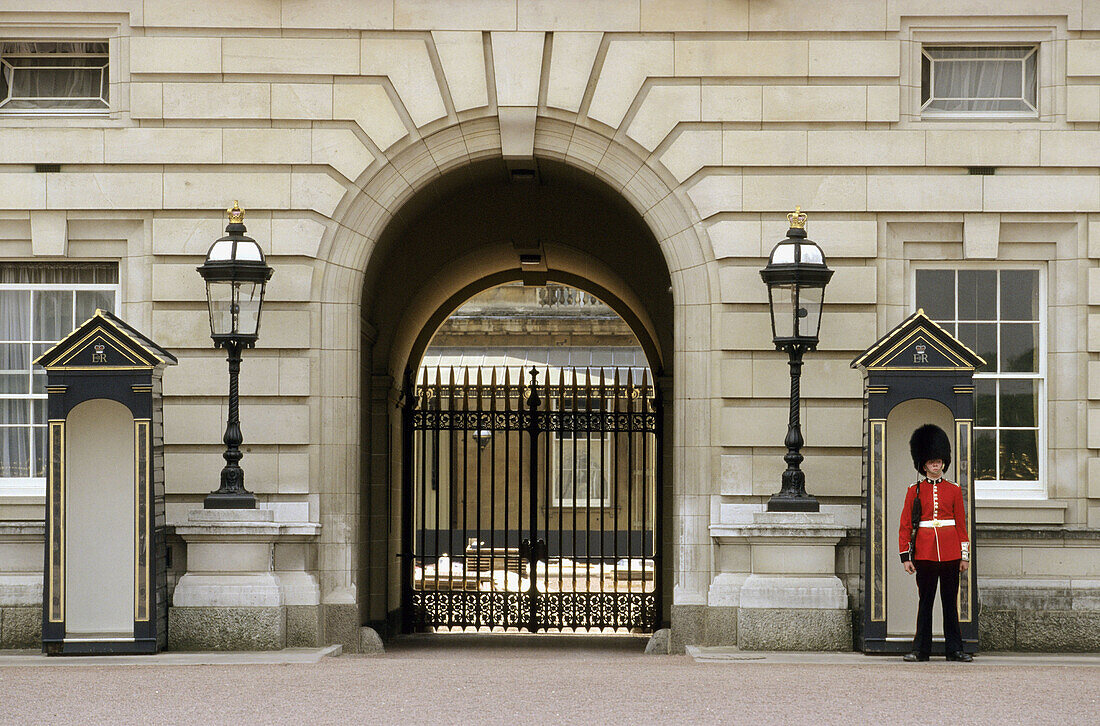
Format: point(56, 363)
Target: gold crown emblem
point(797, 218)
point(236, 214)
point(99, 347)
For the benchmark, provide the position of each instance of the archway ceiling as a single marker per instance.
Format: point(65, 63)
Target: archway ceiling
point(466, 232)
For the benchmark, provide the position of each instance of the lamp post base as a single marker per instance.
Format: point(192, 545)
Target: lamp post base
point(780, 503)
point(230, 500)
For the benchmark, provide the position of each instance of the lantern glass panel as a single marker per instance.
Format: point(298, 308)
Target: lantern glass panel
point(809, 312)
point(783, 306)
point(234, 308)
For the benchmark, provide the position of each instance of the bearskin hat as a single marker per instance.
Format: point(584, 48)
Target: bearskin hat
point(927, 443)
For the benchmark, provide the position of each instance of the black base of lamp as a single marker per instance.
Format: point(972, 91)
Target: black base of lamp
point(229, 500)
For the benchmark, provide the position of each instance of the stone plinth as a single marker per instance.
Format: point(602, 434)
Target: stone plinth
point(21, 557)
point(234, 595)
point(791, 599)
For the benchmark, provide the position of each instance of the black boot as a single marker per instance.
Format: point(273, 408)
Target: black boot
point(916, 657)
point(960, 656)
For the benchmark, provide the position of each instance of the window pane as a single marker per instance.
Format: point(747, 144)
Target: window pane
point(14, 383)
point(936, 293)
point(977, 295)
point(925, 79)
point(40, 454)
point(985, 454)
point(1019, 342)
point(87, 301)
point(15, 451)
point(982, 339)
point(15, 356)
point(38, 411)
point(985, 402)
point(15, 411)
point(53, 314)
point(1032, 79)
point(38, 381)
point(58, 273)
point(1019, 403)
point(1019, 295)
point(1019, 455)
point(15, 314)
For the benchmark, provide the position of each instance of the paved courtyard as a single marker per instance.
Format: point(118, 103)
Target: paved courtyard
point(461, 679)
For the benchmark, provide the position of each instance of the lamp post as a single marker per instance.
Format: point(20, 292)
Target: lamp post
point(796, 276)
point(236, 275)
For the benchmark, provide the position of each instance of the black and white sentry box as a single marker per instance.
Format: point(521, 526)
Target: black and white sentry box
point(917, 373)
point(105, 580)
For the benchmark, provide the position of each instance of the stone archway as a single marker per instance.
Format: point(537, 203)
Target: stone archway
point(362, 361)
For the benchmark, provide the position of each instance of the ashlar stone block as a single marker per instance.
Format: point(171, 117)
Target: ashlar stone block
point(162, 146)
point(409, 67)
point(107, 190)
point(716, 192)
point(313, 56)
point(1083, 103)
point(210, 190)
point(988, 147)
point(1012, 193)
point(764, 148)
point(814, 103)
point(865, 148)
point(517, 67)
point(708, 57)
point(235, 100)
point(166, 54)
point(627, 64)
point(860, 59)
point(768, 192)
point(731, 103)
point(49, 233)
point(571, 59)
point(462, 55)
point(732, 238)
point(924, 192)
point(694, 15)
point(266, 146)
point(691, 150)
point(1082, 57)
point(484, 14)
point(342, 150)
point(662, 108)
point(312, 101)
point(605, 15)
point(40, 145)
point(370, 106)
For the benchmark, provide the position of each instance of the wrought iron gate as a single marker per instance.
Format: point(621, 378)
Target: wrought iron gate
point(532, 499)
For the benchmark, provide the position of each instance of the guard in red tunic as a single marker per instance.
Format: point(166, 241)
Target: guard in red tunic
point(934, 510)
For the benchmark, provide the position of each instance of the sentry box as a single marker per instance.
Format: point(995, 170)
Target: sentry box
point(104, 586)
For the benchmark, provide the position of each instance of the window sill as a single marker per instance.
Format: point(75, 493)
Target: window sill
point(977, 116)
point(1020, 511)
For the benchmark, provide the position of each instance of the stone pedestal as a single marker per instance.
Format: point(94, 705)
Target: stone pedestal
point(791, 599)
point(21, 557)
point(233, 597)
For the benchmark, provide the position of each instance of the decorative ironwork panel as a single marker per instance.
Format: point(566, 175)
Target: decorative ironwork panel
point(533, 499)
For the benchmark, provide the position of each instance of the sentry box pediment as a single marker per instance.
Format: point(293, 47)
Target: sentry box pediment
point(918, 345)
point(917, 373)
point(105, 343)
point(104, 588)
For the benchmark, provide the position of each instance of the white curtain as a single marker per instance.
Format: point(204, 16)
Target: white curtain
point(54, 75)
point(983, 79)
point(15, 306)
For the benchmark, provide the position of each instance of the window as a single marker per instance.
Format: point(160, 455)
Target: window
point(997, 314)
point(979, 81)
point(581, 461)
point(39, 305)
point(54, 77)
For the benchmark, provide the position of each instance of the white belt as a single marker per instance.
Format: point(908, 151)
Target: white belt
point(938, 523)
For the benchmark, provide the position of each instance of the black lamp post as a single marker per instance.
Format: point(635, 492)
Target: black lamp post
point(236, 275)
point(796, 277)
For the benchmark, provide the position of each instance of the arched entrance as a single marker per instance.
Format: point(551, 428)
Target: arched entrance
point(531, 450)
point(471, 230)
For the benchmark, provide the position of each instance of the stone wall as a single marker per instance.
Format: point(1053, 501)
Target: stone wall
point(711, 119)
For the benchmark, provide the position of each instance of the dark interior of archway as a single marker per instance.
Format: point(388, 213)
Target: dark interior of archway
point(481, 206)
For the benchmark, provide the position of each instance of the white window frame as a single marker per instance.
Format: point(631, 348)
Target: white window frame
point(917, 32)
point(36, 486)
point(105, 69)
point(1033, 113)
point(600, 442)
point(996, 488)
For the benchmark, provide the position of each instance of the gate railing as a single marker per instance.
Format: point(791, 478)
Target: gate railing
point(532, 499)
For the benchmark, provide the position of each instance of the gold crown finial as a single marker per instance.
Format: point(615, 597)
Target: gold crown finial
point(236, 214)
point(797, 218)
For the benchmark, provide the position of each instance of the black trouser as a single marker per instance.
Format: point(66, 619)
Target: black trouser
point(929, 572)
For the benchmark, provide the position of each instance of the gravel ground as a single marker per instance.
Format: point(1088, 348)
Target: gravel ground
point(448, 680)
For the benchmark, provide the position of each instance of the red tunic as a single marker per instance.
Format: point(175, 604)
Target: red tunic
point(940, 500)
